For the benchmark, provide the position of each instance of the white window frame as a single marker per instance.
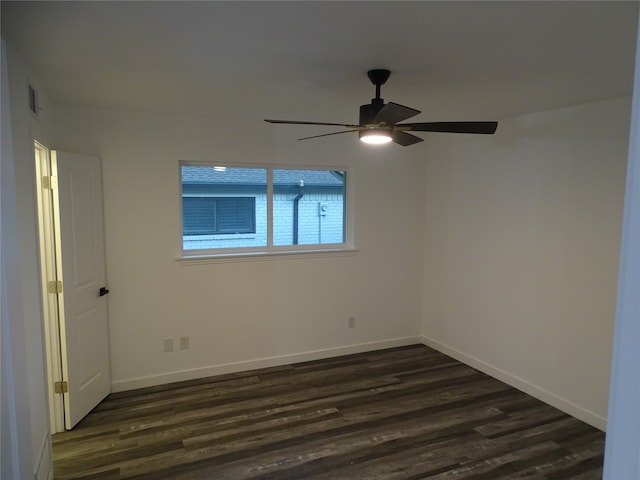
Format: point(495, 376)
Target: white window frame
point(193, 256)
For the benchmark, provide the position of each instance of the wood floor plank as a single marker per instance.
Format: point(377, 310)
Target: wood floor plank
point(398, 414)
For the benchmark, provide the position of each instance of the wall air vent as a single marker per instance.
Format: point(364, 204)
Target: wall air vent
point(34, 108)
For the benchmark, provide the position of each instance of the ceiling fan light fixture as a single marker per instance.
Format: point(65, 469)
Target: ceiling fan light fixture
point(378, 121)
point(375, 136)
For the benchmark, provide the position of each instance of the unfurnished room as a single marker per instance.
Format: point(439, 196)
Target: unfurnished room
point(317, 240)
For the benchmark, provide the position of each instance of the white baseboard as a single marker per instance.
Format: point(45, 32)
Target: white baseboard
point(234, 367)
point(552, 399)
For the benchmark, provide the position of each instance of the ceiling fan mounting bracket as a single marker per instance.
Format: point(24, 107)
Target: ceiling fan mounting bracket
point(378, 76)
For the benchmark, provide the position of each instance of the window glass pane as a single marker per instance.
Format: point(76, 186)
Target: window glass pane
point(223, 207)
point(308, 207)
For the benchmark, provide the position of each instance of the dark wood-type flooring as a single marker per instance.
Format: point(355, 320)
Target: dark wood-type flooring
point(404, 413)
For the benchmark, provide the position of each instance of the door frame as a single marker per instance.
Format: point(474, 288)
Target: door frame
point(48, 239)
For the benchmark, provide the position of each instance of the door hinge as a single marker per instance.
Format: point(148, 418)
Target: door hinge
point(61, 387)
point(50, 182)
point(55, 286)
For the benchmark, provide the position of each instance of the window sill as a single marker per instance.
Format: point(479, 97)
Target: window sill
point(200, 259)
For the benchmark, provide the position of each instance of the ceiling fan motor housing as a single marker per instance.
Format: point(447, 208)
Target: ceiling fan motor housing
point(369, 111)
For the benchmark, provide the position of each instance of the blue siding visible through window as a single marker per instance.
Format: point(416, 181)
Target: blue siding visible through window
point(218, 215)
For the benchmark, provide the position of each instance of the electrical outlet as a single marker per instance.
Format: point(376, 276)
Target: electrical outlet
point(184, 343)
point(168, 344)
point(351, 322)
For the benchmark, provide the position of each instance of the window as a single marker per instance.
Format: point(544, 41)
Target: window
point(308, 207)
point(255, 209)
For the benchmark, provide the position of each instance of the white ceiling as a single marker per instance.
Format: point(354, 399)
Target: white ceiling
point(308, 60)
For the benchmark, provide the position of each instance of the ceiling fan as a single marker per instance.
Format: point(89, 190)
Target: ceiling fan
point(379, 120)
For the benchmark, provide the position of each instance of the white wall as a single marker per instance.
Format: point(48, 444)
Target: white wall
point(22, 268)
point(522, 238)
point(622, 453)
point(14, 398)
point(243, 314)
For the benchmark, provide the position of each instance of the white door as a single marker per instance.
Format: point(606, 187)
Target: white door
point(81, 266)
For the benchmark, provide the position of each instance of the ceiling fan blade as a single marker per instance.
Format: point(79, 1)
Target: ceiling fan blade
point(405, 139)
point(486, 128)
point(295, 122)
point(392, 113)
point(328, 134)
